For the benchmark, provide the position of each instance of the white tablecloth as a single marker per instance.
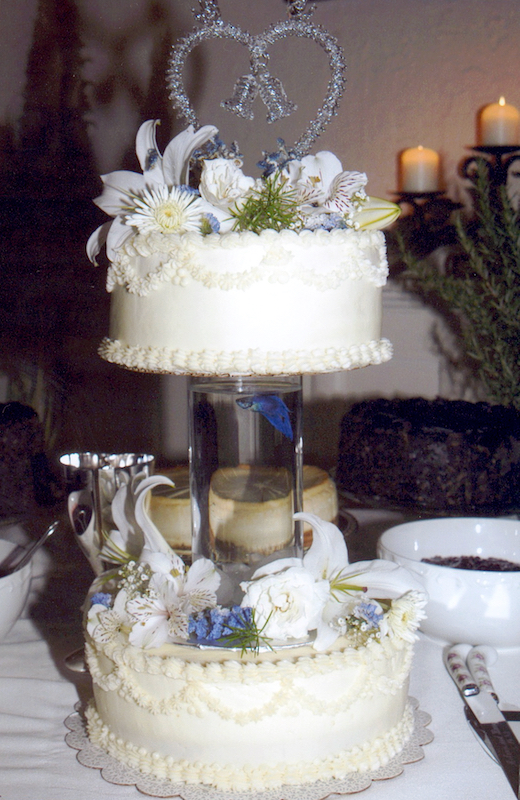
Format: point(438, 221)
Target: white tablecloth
point(37, 693)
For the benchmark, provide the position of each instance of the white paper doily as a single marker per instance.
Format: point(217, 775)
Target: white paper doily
point(114, 772)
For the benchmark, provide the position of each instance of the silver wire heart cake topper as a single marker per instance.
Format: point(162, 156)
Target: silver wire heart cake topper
point(259, 82)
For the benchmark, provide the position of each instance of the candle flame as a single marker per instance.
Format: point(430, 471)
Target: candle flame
point(502, 101)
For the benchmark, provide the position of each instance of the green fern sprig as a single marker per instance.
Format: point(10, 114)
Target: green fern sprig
point(249, 637)
point(273, 206)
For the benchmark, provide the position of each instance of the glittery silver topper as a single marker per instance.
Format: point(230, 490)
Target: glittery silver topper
point(259, 82)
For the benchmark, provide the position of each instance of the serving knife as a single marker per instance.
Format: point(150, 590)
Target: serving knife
point(478, 660)
point(486, 718)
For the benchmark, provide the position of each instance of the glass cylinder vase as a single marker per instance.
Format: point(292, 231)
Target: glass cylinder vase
point(245, 472)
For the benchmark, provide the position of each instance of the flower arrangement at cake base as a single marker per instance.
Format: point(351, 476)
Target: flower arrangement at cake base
point(306, 679)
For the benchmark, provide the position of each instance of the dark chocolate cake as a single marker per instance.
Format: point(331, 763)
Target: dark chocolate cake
point(433, 455)
point(25, 477)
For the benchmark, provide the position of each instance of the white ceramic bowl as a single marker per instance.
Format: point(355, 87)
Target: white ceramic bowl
point(13, 591)
point(472, 606)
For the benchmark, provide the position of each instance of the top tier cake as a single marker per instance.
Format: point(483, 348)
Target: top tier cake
point(227, 275)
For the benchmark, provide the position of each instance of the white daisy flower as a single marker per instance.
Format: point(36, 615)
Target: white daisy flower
point(167, 210)
point(405, 615)
point(122, 187)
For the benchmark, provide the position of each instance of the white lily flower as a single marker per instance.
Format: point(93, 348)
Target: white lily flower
point(328, 552)
point(134, 535)
point(153, 538)
point(327, 558)
point(123, 188)
point(374, 213)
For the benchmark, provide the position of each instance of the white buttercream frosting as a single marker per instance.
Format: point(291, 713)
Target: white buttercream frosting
point(237, 362)
point(250, 722)
point(271, 257)
point(227, 777)
point(246, 303)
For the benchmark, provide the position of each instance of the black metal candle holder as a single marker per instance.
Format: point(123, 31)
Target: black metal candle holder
point(426, 228)
point(497, 159)
point(422, 203)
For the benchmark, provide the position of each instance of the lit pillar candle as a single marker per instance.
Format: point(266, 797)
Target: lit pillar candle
point(419, 170)
point(499, 124)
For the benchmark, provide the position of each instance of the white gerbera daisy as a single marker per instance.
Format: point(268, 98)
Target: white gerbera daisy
point(168, 210)
point(405, 615)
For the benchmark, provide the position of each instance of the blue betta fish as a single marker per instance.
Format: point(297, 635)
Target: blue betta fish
point(272, 408)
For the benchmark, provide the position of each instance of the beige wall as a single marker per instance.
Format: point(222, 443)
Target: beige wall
point(418, 71)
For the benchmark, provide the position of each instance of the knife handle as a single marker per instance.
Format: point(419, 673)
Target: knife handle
point(478, 660)
point(456, 666)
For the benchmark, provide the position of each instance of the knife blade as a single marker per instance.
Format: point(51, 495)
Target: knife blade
point(488, 721)
point(478, 660)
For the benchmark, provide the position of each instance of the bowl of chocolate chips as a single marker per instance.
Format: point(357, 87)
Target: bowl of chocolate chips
point(470, 568)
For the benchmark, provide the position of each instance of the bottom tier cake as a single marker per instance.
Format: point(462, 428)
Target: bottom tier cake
point(305, 680)
point(254, 721)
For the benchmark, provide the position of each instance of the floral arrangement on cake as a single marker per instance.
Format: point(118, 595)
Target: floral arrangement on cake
point(292, 194)
point(154, 599)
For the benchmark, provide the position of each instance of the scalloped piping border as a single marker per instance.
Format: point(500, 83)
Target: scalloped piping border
point(244, 362)
point(114, 772)
point(194, 697)
point(182, 256)
point(364, 758)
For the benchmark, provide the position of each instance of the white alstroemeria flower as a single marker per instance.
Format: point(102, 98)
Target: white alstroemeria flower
point(324, 189)
point(164, 566)
point(321, 184)
point(162, 615)
point(200, 585)
point(105, 624)
point(122, 188)
point(223, 185)
point(158, 617)
point(287, 604)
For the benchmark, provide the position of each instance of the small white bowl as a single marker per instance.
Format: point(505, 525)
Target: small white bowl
point(471, 606)
point(13, 591)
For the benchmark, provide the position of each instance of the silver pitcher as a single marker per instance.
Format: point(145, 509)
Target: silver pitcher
point(91, 481)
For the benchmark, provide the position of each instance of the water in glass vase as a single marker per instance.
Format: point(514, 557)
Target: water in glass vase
point(245, 470)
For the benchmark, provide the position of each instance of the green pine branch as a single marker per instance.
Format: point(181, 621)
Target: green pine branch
point(483, 292)
point(272, 206)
